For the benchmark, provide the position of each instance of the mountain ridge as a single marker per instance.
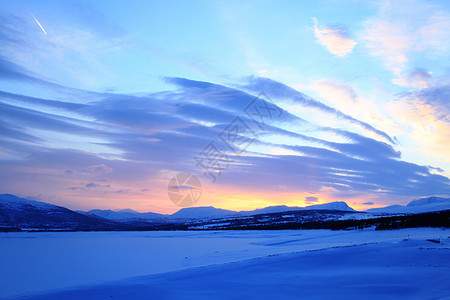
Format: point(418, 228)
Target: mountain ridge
point(427, 204)
point(15, 211)
point(24, 213)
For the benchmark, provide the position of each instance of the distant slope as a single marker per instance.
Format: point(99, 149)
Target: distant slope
point(271, 209)
point(338, 205)
point(212, 212)
point(435, 201)
point(311, 219)
point(422, 205)
point(126, 215)
point(202, 212)
point(22, 213)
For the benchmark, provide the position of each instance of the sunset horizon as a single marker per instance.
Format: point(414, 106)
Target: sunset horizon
point(102, 107)
point(237, 149)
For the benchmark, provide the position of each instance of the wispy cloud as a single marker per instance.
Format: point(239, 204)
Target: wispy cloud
point(141, 152)
point(418, 78)
point(311, 199)
point(334, 38)
point(75, 53)
point(119, 145)
point(424, 118)
point(282, 91)
point(396, 33)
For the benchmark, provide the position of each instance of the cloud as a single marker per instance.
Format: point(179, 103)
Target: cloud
point(419, 78)
point(76, 188)
point(437, 99)
point(396, 34)
point(99, 169)
point(89, 187)
point(311, 199)
point(75, 53)
point(368, 203)
point(424, 118)
point(346, 98)
point(92, 185)
point(12, 71)
point(124, 191)
point(280, 91)
point(436, 169)
point(147, 138)
point(334, 38)
point(358, 164)
point(336, 90)
point(389, 42)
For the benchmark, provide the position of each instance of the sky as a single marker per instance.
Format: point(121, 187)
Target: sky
point(265, 102)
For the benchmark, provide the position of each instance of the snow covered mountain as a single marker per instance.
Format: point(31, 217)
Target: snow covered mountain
point(270, 209)
point(17, 212)
point(209, 212)
point(125, 215)
point(338, 205)
point(202, 213)
point(22, 213)
point(422, 205)
point(12, 202)
point(434, 201)
point(212, 212)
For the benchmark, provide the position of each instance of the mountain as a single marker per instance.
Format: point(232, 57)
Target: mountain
point(212, 212)
point(422, 205)
point(338, 205)
point(342, 206)
point(271, 209)
point(127, 210)
point(22, 213)
point(126, 215)
point(433, 201)
point(17, 212)
point(202, 213)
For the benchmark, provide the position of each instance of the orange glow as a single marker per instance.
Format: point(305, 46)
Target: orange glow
point(237, 200)
point(150, 195)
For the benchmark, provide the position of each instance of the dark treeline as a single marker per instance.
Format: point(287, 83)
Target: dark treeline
point(433, 219)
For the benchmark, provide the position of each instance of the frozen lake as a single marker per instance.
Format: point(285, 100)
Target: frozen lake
point(32, 263)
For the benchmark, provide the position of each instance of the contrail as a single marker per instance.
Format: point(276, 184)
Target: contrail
point(43, 30)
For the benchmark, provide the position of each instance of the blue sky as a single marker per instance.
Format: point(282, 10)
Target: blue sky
point(103, 102)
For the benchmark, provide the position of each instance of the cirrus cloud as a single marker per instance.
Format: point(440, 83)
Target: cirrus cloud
point(396, 34)
point(418, 78)
point(334, 38)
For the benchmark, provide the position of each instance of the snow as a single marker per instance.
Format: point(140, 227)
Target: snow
point(338, 205)
point(212, 212)
point(208, 212)
point(358, 216)
point(202, 213)
point(125, 215)
point(423, 205)
point(430, 200)
point(196, 264)
point(14, 202)
point(271, 209)
point(127, 210)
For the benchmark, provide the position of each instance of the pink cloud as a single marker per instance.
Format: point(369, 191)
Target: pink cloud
point(334, 39)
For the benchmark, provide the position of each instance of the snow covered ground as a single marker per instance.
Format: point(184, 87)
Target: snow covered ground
point(167, 265)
